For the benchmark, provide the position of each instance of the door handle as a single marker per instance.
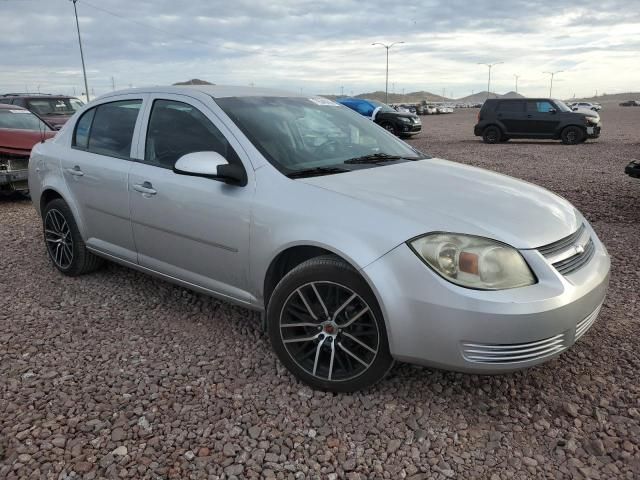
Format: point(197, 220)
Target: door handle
point(529, 116)
point(144, 187)
point(75, 171)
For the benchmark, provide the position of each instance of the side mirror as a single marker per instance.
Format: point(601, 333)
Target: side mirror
point(210, 165)
point(552, 110)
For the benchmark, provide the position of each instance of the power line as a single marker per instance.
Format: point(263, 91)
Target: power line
point(178, 35)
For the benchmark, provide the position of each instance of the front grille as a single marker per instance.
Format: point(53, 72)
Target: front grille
point(570, 253)
point(513, 353)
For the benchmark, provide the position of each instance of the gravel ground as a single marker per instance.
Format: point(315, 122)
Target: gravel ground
point(117, 374)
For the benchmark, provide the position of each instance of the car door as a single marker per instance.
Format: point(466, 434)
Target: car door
point(96, 171)
point(511, 115)
point(191, 228)
point(544, 118)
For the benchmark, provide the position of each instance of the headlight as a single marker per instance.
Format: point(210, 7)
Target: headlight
point(592, 119)
point(405, 119)
point(474, 262)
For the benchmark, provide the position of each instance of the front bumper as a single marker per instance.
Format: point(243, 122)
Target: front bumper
point(8, 177)
point(593, 131)
point(433, 322)
point(410, 128)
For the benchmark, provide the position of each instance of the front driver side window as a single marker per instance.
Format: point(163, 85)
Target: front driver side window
point(177, 128)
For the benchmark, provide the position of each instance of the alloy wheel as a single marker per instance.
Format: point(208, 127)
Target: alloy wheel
point(57, 234)
point(329, 331)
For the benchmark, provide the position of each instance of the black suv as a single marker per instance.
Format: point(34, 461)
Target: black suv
point(502, 119)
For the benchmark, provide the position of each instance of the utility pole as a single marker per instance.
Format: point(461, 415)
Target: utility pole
point(517, 77)
point(342, 90)
point(386, 83)
point(490, 65)
point(113, 83)
point(551, 84)
point(84, 70)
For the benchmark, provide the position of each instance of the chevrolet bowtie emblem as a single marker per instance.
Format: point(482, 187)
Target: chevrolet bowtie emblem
point(579, 249)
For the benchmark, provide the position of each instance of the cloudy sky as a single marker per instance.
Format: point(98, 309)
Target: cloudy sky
point(324, 46)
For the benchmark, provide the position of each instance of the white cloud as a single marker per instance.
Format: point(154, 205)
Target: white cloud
point(320, 46)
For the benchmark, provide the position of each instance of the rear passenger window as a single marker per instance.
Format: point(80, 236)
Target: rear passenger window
point(177, 128)
point(512, 106)
point(111, 131)
point(81, 135)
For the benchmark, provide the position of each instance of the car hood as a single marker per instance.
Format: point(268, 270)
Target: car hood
point(19, 142)
point(437, 195)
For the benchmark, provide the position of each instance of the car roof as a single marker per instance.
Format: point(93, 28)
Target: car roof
point(6, 106)
point(35, 95)
point(215, 91)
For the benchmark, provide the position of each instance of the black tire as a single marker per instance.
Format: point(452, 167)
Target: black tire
point(67, 251)
point(331, 351)
point(572, 135)
point(388, 126)
point(491, 135)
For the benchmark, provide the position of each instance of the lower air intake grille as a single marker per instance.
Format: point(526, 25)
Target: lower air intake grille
point(513, 353)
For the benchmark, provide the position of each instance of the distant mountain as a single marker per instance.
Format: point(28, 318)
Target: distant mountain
point(611, 98)
point(482, 96)
point(412, 97)
point(194, 81)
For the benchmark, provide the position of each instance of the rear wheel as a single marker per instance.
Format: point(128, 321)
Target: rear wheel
point(64, 243)
point(326, 327)
point(572, 135)
point(491, 135)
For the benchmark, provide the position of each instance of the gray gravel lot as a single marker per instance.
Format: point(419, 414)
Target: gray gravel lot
point(117, 374)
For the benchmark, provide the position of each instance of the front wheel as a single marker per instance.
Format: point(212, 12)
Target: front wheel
point(388, 126)
point(326, 327)
point(572, 135)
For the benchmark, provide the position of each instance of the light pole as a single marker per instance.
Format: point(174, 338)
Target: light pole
point(386, 83)
point(84, 70)
point(517, 77)
point(552, 75)
point(490, 65)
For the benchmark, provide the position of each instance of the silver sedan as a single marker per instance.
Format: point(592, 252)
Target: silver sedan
point(357, 248)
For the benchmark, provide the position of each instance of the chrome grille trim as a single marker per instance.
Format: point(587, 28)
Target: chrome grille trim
point(570, 253)
point(586, 324)
point(572, 264)
point(514, 353)
point(562, 244)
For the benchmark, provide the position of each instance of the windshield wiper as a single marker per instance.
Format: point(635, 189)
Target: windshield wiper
point(316, 171)
point(376, 158)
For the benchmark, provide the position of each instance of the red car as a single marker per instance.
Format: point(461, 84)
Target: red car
point(20, 130)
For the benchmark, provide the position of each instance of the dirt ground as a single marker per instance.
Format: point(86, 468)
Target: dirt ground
point(119, 375)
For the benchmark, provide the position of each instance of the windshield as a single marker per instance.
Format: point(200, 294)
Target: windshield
point(383, 106)
point(21, 120)
point(54, 106)
point(296, 134)
point(562, 106)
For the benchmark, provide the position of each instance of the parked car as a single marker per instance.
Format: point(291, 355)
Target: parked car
point(502, 119)
point(444, 109)
point(633, 169)
point(596, 107)
point(20, 130)
point(357, 248)
point(54, 109)
point(402, 124)
point(630, 103)
point(429, 109)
